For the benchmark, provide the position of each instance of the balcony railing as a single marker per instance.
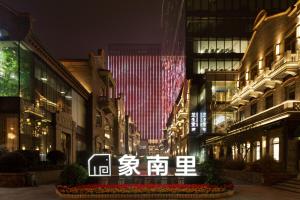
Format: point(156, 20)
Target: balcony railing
point(268, 78)
point(275, 113)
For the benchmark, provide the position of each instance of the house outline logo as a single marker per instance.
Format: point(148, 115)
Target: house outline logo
point(100, 163)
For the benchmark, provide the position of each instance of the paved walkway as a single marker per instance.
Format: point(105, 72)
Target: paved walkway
point(243, 192)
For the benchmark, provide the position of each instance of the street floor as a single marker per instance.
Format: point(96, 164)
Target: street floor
point(243, 192)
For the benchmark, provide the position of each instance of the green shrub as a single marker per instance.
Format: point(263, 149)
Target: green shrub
point(3, 150)
point(56, 157)
point(82, 158)
point(266, 164)
point(73, 175)
point(13, 162)
point(32, 157)
point(212, 170)
point(238, 164)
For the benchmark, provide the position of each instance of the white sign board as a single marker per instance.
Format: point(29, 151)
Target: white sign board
point(100, 165)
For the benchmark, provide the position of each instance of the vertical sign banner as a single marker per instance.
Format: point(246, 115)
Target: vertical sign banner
point(194, 122)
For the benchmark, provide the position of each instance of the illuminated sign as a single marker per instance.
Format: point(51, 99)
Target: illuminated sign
point(100, 165)
point(194, 121)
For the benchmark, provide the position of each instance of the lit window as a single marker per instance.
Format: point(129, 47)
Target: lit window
point(275, 148)
point(277, 49)
point(264, 145)
point(257, 150)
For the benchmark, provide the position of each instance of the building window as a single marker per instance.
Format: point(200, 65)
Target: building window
point(275, 148)
point(269, 101)
point(254, 72)
point(242, 115)
point(98, 120)
point(264, 145)
point(257, 150)
point(290, 43)
point(253, 108)
point(269, 60)
point(290, 92)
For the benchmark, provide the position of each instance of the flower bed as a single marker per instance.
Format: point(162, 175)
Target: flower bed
point(145, 191)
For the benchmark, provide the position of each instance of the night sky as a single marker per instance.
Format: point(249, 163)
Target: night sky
point(73, 28)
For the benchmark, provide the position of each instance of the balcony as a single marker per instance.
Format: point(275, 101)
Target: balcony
point(107, 104)
point(268, 78)
point(276, 113)
point(106, 77)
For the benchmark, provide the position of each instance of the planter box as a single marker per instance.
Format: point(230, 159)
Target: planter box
point(258, 178)
point(29, 178)
point(13, 179)
point(47, 176)
point(144, 196)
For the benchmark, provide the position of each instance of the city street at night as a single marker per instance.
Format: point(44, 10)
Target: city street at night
point(149, 99)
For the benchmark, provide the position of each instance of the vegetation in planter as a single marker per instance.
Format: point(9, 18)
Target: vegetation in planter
point(212, 170)
point(13, 162)
point(145, 189)
point(266, 164)
point(238, 164)
point(56, 157)
point(3, 150)
point(73, 175)
point(32, 157)
point(82, 158)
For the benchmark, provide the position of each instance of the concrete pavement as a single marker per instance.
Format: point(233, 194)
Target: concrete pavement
point(243, 192)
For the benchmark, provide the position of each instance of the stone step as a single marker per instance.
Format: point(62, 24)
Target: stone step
point(293, 181)
point(286, 184)
point(280, 187)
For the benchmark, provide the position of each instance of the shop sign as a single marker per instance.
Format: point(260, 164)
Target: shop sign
point(100, 165)
point(194, 121)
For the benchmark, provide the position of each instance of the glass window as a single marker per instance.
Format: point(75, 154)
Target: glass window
point(221, 121)
point(264, 145)
point(220, 65)
point(9, 69)
point(236, 64)
point(275, 148)
point(237, 46)
point(242, 115)
point(204, 46)
point(269, 59)
point(244, 45)
point(9, 132)
point(269, 101)
point(236, 4)
point(254, 72)
point(290, 43)
point(257, 150)
point(212, 65)
point(212, 45)
point(253, 108)
point(290, 92)
point(220, 45)
point(228, 46)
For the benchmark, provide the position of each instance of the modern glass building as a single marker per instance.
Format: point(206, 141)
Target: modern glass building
point(42, 107)
point(217, 34)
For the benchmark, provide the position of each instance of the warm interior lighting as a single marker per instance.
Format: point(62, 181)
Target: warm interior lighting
point(298, 31)
point(277, 49)
point(247, 76)
point(260, 64)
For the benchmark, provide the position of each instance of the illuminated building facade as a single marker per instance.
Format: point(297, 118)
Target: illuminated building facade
point(139, 76)
point(103, 106)
point(267, 102)
point(42, 106)
point(217, 35)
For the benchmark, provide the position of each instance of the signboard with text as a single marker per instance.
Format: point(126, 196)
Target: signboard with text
point(100, 165)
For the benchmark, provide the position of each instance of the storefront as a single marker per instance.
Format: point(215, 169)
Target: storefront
point(40, 101)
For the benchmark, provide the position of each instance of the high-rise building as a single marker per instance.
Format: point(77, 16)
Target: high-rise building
point(139, 74)
point(217, 34)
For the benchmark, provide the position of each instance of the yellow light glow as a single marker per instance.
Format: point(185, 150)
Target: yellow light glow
point(277, 49)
